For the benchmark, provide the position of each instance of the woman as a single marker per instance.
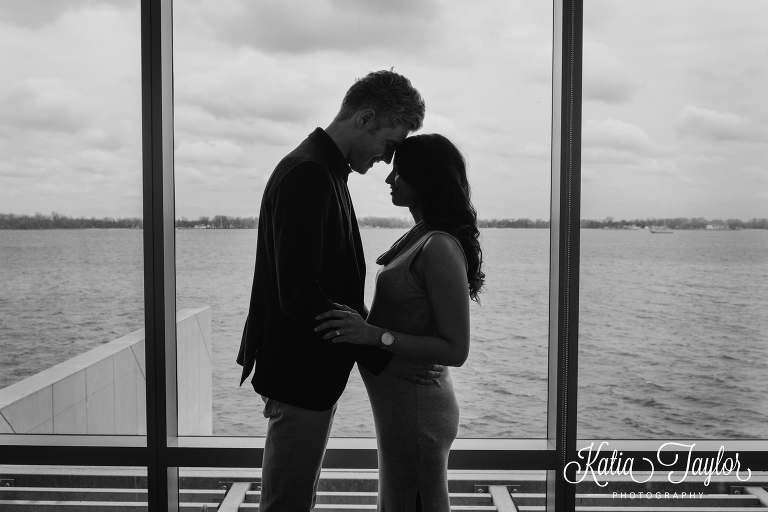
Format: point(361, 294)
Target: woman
point(420, 311)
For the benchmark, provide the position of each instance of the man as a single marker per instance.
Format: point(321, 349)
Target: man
point(309, 256)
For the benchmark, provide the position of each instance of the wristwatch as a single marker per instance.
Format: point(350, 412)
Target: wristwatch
point(387, 339)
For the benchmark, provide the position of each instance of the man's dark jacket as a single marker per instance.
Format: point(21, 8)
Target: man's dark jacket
point(308, 255)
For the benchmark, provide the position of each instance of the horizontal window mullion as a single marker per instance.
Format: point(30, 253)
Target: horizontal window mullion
point(44, 455)
point(365, 458)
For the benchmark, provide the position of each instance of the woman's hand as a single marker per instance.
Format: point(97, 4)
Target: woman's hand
point(345, 325)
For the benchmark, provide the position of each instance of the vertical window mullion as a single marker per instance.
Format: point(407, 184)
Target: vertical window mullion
point(564, 248)
point(159, 250)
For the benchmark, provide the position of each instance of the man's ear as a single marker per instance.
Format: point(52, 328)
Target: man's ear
point(366, 118)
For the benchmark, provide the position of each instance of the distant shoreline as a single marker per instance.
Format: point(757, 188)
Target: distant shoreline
point(10, 221)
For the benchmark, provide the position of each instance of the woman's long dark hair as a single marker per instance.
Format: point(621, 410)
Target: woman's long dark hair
point(436, 169)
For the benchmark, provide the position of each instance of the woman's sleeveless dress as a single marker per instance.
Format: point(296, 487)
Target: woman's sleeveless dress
point(415, 424)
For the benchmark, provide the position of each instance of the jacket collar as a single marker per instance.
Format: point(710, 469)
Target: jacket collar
point(339, 165)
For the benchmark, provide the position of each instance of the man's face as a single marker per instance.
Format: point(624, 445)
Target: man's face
point(376, 146)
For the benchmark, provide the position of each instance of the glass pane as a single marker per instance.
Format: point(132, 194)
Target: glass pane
point(253, 79)
point(71, 269)
point(674, 275)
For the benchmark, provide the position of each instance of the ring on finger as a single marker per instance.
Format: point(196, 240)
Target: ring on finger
point(338, 333)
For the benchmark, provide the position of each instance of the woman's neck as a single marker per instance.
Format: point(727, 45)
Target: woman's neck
point(416, 214)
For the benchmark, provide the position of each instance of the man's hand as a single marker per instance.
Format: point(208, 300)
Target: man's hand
point(416, 373)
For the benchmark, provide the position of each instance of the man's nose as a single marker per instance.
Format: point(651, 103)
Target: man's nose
point(390, 178)
point(388, 154)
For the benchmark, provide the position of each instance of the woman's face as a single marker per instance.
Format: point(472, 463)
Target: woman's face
point(403, 194)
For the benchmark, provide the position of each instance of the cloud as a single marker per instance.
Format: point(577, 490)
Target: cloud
point(36, 14)
point(195, 123)
point(589, 174)
point(185, 175)
point(533, 150)
point(744, 77)
point(393, 8)
point(606, 88)
point(718, 126)
point(218, 152)
point(28, 168)
point(605, 78)
point(601, 15)
point(758, 173)
point(110, 134)
point(48, 117)
point(529, 150)
point(611, 142)
point(99, 163)
point(339, 25)
point(242, 87)
point(43, 105)
point(619, 138)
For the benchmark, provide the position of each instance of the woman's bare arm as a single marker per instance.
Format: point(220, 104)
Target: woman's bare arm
point(442, 268)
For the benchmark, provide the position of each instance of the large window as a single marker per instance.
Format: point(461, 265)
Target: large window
point(247, 94)
point(71, 260)
point(672, 113)
point(674, 252)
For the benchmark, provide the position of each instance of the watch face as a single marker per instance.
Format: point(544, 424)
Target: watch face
point(387, 338)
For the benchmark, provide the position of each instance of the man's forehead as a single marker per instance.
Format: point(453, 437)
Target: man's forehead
point(397, 134)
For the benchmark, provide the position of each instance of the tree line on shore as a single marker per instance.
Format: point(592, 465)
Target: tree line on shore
point(57, 221)
point(675, 223)
point(394, 222)
point(219, 222)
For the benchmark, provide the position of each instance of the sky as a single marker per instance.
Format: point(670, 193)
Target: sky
point(675, 118)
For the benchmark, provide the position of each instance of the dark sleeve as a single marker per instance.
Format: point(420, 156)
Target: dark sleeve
point(373, 359)
point(300, 205)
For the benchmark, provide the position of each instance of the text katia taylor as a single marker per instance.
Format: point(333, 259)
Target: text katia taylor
point(598, 465)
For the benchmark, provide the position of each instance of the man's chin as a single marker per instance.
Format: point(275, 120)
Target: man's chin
point(362, 169)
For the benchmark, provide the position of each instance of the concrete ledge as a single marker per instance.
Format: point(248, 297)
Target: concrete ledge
point(103, 391)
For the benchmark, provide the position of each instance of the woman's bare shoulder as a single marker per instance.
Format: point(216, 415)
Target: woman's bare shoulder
point(443, 249)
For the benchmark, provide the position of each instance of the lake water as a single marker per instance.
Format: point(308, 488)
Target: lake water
point(673, 330)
